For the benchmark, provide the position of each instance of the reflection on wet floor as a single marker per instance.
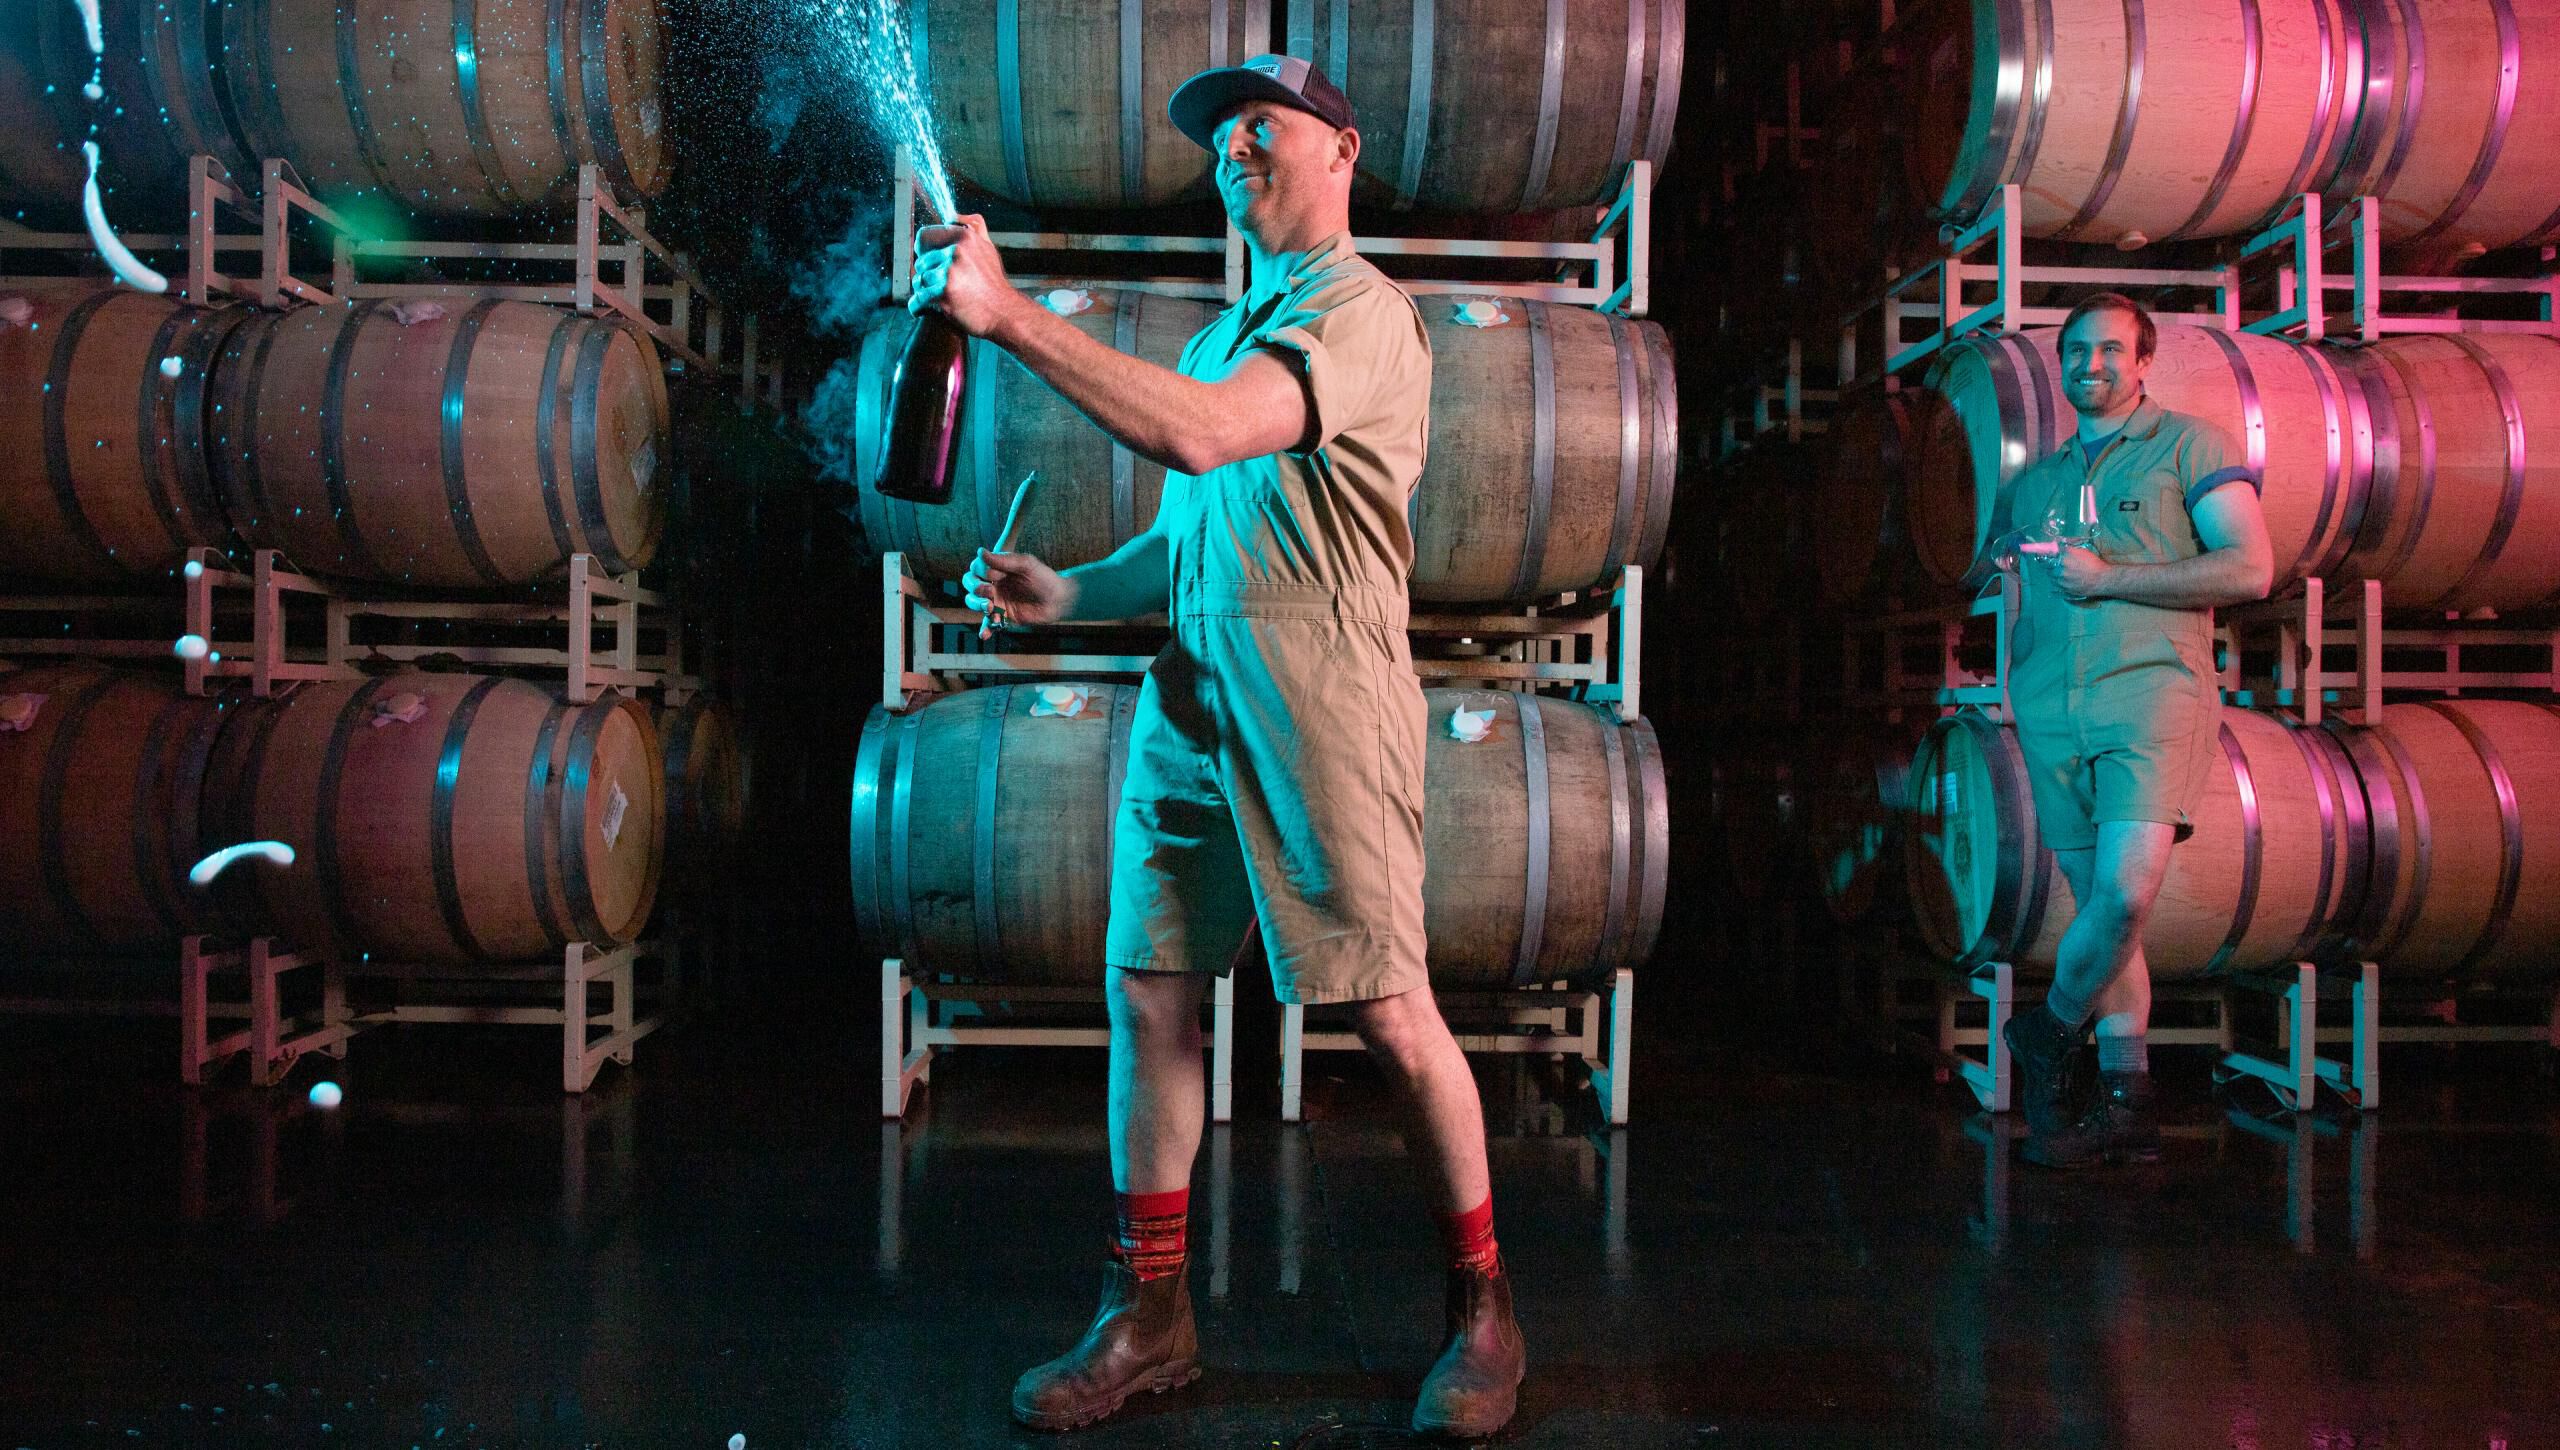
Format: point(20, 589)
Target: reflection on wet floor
point(1794, 1243)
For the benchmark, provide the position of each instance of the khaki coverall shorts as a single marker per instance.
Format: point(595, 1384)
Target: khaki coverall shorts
point(1275, 771)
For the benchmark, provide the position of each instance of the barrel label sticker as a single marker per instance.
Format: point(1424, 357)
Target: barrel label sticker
point(1470, 726)
point(1067, 301)
point(644, 465)
point(18, 712)
point(1067, 701)
point(1479, 312)
point(404, 708)
point(615, 803)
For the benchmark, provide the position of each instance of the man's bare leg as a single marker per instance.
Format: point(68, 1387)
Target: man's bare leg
point(1473, 1389)
point(1158, 1086)
point(2102, 970)
point(2115, 888)
point(1444, 1117)
point(1143, 1337)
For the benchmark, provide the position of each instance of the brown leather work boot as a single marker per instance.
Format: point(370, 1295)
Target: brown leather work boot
point(1472, 1391)
point(1142, 1338)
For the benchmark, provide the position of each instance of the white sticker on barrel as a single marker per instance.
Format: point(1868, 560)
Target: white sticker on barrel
point(1479, 312)
point(18, 712)
point(1067, 301)
point(1470, 726)
point(401, 709)
point(1067, 701)
point(615, 803)
point(644, 465)
point(410, 314)
point(16, 311)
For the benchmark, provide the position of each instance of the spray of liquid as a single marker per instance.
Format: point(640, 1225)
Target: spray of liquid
point(867, 41)
point(129, 269)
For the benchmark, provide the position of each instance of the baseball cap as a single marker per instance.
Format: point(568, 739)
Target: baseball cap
point(1204, 100)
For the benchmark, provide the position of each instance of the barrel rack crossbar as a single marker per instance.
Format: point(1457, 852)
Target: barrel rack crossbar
point(537, 994)
point(1540, 1022)
point(1612, 272)
point(260, 647)
point(920, 1016)
point(2294, 676)
point(1939, 298)
point(1587, 643)
point(614, 265)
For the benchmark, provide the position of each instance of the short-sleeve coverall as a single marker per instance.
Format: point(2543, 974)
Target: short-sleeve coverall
point(2117, 705)
point(1275, 759)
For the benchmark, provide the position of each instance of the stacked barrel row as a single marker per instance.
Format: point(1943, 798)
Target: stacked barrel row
point(459, 445)
point(982, 822)
point(434, 817)
point(440, 108)
point(2152, 129)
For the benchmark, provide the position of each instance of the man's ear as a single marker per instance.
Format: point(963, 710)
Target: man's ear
point(1346, 147)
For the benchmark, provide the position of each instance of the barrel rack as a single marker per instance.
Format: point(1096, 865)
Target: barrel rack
point(262, 647)
point(1587, 643)
point(532, 994)
point(1612, 272)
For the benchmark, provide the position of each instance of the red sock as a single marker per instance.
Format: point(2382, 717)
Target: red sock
point(1155, 1231)
point(1469, 1237)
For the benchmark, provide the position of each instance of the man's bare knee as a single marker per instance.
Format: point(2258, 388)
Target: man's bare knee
point(1156, 1005)
point(1398, 1029)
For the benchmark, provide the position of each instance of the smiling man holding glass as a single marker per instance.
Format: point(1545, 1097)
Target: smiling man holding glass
point(2127, 538)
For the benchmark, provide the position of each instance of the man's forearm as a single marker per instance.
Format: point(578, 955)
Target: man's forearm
point(2210, 580)
point(1137, 579)
point(1152, 411)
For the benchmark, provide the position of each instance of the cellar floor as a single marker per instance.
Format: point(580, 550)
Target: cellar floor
point(1797, 1243)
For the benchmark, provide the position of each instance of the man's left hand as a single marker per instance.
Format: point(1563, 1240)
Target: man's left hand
point(959, 274)
point(2081, 574)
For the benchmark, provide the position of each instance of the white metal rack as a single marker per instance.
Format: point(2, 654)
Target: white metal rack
point(1612, 272)
point(920, 1017)
point(1540, 1021)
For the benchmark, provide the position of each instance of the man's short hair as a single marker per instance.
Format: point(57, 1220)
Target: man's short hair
point(2146, 334)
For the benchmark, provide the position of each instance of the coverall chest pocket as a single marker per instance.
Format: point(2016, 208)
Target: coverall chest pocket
point(2142, 521)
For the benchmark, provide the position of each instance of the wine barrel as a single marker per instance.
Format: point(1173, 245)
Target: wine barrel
point(1501, 105)
point(101, 772)
point(2132, 123)
point(2461, 116)
point(474, 448)
point(1552, 461)
point(1856, 797)
point(1545, 841)
point(2464, 507)
point(442, 818)
point(2465, 802)
point(1859, 552)
point(1072, 113)
point(159, 108)
point(705, 768)
point(2274, 869)
point(1545, 844)
point(106, 480)
point(2292, 410)
point(451, 108)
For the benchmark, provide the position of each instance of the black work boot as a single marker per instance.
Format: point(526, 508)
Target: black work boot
point(2120, 1127)
point(1142, 1338)
point(1472, 1391)
point(2041, 1046)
